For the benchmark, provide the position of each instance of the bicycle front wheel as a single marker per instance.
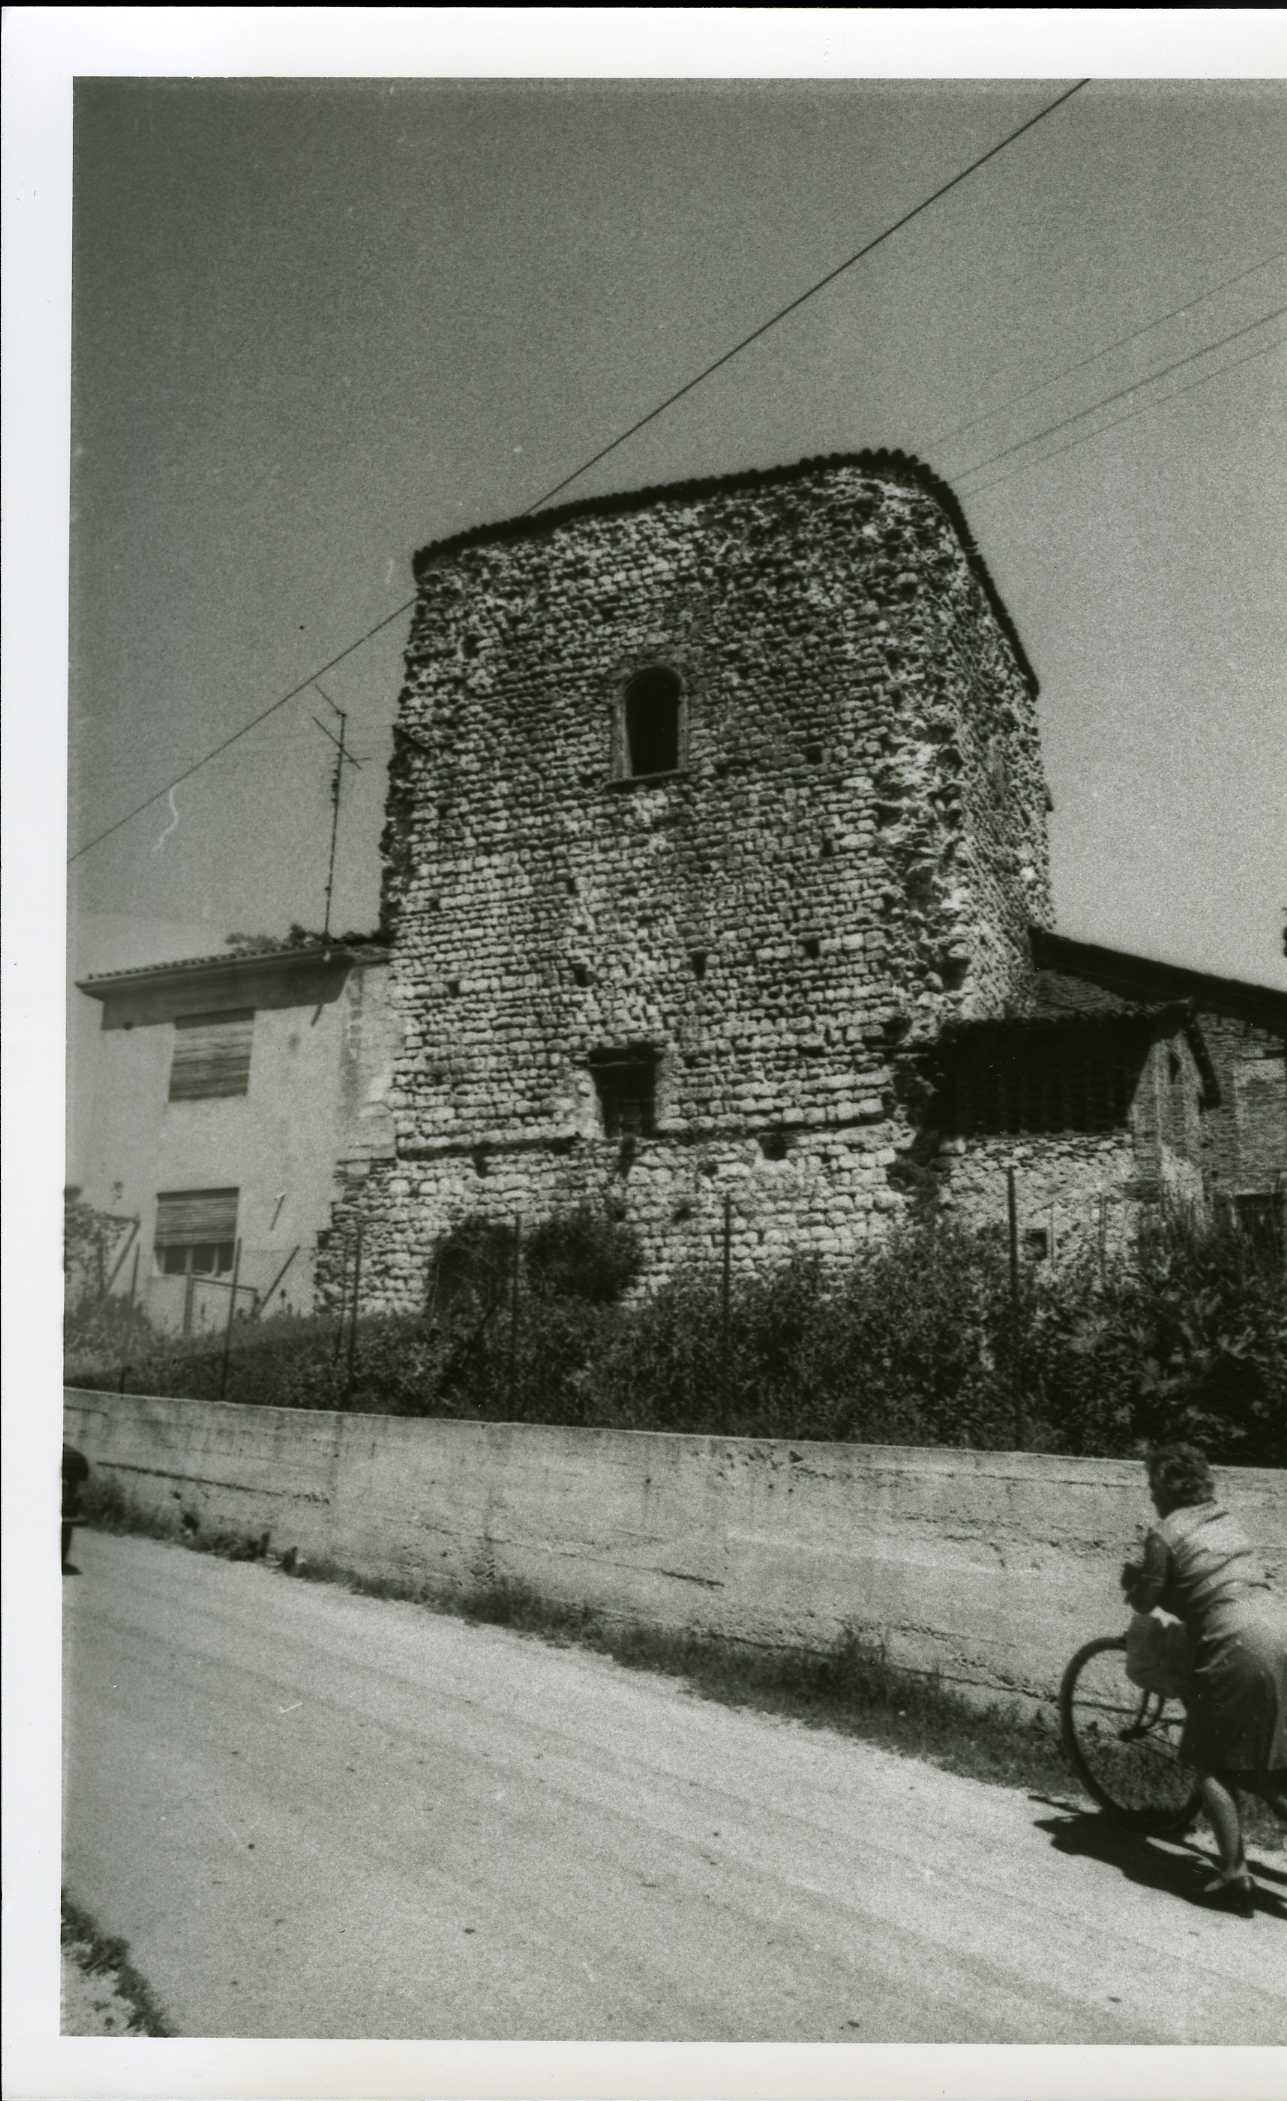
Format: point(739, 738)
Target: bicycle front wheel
point(1125, 1744)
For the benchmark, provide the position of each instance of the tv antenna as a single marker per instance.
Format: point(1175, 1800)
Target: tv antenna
point(343, 758)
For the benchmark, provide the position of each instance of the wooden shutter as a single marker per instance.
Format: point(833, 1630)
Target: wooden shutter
point(189, 1217)
point(211, 1056)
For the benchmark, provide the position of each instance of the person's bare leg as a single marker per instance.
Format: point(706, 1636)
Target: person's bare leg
point(1225, 1819)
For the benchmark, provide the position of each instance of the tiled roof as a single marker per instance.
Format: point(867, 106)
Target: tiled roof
point(1058, 994)
point(1063, 1000)
point(234, 959)
point(1142, 981)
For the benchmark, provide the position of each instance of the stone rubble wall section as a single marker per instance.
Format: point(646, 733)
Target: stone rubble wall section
point(1246, 1134)
point(852, 853)
point(1166, 1122)
point(1087, 1190)
point(1075, 1187)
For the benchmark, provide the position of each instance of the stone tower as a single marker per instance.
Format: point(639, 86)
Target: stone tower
point(710, 805)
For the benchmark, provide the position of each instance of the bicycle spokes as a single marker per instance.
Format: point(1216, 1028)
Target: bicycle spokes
point(1124, 1742)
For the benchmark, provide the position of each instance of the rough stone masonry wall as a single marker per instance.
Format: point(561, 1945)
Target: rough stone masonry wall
point(1246, 1134)
point(1088, 1188)
point(1166, 1123)
point(1075, 1187)
point(854, 851)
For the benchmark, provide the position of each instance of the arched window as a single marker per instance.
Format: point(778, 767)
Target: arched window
point(652, 723)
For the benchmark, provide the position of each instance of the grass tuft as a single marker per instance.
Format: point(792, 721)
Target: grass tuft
point(98, 1953)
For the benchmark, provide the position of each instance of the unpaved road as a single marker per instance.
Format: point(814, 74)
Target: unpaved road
point(312, 1814)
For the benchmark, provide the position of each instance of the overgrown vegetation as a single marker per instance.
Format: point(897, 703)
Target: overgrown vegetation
point(93, 1242)
point(297, 936)
point(101, 1325)
point(100, 1955)
point(917, 1341)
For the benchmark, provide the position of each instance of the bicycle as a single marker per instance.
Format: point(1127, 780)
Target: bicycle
point(1124, 1743)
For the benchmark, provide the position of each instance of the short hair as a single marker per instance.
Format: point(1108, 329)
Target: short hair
point(1181, 1472)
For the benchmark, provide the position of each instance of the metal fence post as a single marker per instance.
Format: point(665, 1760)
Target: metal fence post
point(276, 1281)
point(1016, 1369)
point(515, 1287)
point(126, 1245)
point(129, 1318)
point(232, 1314)
point(353, 1318)
point(344, 1293)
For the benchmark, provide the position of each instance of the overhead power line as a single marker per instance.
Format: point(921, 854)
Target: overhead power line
point(1143, 410)
point(639, 424)
point(244, 731)
point(1120, 393)
point(1039, 386)
point(642, 422)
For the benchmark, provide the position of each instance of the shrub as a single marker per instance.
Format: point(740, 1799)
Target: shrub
point(1188, 1342)
point(101, 1331)
point(91, 1244)
point(583, 1254)
point(916, 1341)
point(473, 1268)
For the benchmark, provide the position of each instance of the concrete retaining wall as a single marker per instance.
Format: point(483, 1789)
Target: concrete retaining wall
point(989, 1566)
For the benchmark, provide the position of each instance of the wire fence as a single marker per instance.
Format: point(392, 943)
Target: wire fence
point(483, 1289)
point(478, 1284)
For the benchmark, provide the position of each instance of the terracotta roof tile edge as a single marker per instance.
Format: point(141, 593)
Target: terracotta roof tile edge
point(332, 951)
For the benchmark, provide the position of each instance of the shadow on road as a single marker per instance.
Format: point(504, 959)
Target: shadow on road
point(1178, 1868)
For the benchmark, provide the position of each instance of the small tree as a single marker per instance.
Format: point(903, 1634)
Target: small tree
point(91, 1239)
point(100, 1327)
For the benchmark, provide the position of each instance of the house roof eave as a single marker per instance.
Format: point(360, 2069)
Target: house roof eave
point(213, 969)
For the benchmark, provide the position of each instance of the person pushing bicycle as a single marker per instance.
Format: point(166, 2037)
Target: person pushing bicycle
point(1199, 1567)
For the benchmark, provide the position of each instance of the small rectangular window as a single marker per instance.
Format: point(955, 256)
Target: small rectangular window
point(196, 1232)
point(652, 728)
point(626, 1084)
point(211, 1056)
